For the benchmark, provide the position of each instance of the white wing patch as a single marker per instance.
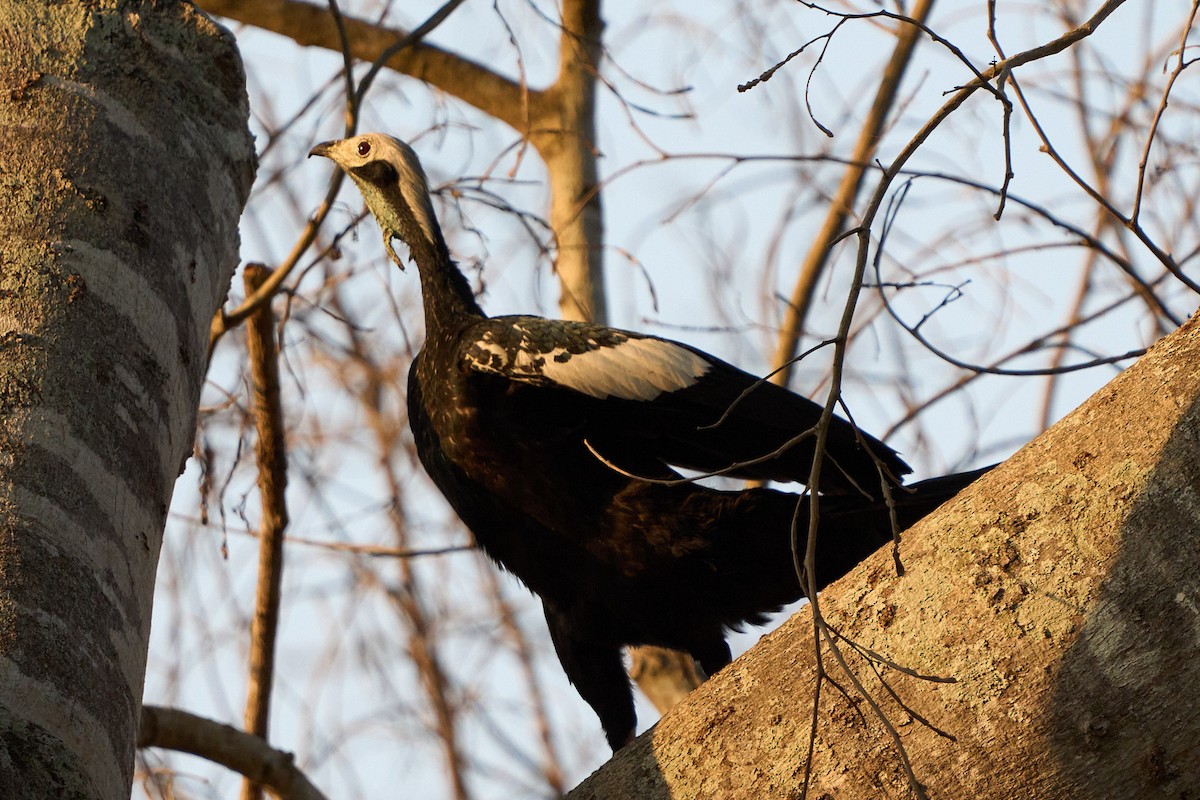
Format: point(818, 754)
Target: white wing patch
point(636, 369)
point(616, 365)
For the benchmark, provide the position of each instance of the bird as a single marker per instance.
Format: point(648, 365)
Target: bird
point(560, 445)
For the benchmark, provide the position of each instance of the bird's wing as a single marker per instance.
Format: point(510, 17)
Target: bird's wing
point(644, 398)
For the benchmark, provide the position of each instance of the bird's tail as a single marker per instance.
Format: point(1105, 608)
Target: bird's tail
point(850, 529)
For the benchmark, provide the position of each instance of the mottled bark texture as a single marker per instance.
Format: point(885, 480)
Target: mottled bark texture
point(1061, 592)
point(125, 160)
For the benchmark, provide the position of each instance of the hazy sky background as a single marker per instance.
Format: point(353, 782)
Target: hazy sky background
point(697, 250)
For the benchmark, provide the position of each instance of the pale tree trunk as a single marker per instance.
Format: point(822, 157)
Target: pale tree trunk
point(566, 141)
point(126, 160)
point(1061, 593)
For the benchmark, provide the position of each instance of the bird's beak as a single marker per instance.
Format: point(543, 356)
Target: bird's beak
point(322, 149)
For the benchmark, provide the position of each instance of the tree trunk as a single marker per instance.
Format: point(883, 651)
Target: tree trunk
point(1061, 593)
point(126, 161)
point(567, 143)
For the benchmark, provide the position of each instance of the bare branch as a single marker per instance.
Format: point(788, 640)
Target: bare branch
point(841, 205)
point(271, 452)
point(241, 752)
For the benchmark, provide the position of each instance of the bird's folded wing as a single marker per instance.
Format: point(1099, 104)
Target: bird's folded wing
point(642, 397)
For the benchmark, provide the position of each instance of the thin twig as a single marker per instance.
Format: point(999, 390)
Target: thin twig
point(841, 206)
point(1006, 123)
point(1180, 66)
point(1130, 222)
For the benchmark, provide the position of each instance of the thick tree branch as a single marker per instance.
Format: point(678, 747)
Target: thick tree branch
point(313, 26)
point(664, 676)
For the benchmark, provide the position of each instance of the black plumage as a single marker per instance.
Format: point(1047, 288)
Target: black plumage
point(542, 435)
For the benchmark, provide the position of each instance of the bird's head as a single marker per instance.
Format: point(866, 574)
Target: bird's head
point(389, 176)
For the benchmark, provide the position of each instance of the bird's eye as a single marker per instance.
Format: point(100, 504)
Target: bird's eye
point(364, 147)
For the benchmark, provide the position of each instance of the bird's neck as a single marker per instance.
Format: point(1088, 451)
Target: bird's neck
point(449, 302)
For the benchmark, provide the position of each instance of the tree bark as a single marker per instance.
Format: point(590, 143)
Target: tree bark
point(126, 161)
point(1061, 593)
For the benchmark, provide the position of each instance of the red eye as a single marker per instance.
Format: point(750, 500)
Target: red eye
point(364, 147)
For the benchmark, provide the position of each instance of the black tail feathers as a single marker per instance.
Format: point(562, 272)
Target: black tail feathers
point(850, 529)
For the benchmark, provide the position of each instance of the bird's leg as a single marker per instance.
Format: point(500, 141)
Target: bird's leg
point(598, 674)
